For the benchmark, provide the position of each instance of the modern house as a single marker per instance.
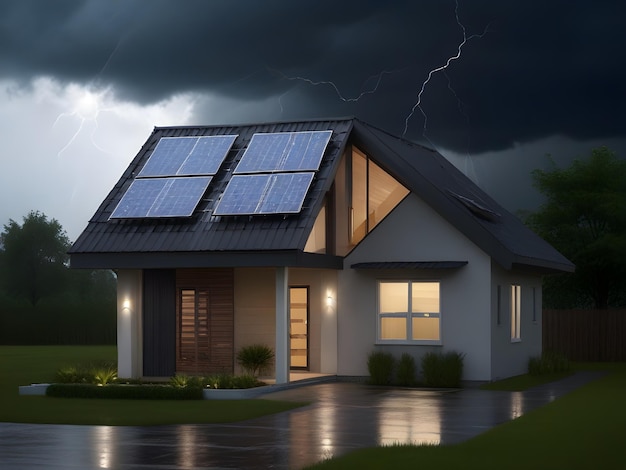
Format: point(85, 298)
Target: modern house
point(324, 239)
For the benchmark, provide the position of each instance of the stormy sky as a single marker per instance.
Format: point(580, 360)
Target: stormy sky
point(82, 83)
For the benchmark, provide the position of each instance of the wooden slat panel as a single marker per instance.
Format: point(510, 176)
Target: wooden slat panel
point(206, 343)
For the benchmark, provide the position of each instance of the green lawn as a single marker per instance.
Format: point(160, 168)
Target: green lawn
point(582, 430)
point(23, 365)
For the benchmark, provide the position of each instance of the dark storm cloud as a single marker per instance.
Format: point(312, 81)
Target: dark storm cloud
point(542, 68)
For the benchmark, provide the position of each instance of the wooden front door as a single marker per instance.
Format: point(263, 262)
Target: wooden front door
point(205, 321)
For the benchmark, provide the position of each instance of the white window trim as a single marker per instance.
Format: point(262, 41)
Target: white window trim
point(408, 315)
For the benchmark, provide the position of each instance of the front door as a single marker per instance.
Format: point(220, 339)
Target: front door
point(193, 331)
point(299, 335)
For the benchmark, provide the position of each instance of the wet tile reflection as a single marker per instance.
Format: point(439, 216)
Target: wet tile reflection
point(342, 417)
point(103, 445)
point(412, 418)
point(517, 405)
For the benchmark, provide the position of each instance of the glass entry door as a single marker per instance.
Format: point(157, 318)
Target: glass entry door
point(299, 335)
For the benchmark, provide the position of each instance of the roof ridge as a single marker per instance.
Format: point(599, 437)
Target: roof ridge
point(260, 123)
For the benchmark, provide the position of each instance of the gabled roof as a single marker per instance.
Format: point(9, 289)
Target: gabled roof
point(208, 240)
point(461, 202)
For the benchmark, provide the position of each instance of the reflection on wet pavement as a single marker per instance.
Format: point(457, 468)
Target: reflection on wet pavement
point(342, 417)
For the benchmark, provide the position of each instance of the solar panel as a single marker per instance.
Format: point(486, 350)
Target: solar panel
point(285, 193)
point(174, 156)
point(179, 197)
point(284, 151)
point(138, 198)
point(281, 193)
point(161, 197)
point(242, 195)
point(207, 156)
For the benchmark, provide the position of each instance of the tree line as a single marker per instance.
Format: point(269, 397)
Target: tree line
point(584, 217)
point(42, 301)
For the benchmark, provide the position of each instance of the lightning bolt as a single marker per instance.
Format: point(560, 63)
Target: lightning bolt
point(89, 106)
point(374, 89)
point(87, 109)
point(442, 68)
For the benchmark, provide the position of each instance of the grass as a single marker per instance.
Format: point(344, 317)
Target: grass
point(524, 382)
point(583, 429)
point(23, 365)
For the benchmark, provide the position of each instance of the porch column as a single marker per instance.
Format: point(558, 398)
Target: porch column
point(282, 326)
point(129, 337)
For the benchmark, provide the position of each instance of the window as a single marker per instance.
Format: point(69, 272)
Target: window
point(374, 194)
point(317, 239)
point(409, 311)
point(516, 312)
point(499, 306)
point(534, 305)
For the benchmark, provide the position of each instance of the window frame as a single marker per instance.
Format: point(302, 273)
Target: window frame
point(408, 315)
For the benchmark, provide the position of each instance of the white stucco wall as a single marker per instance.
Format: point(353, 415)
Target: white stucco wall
point(511, 358)
point(415, 232)
point(129, 327)
point(255, 320)
point(255, 311)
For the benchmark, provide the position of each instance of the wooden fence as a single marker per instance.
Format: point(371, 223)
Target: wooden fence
point(586, 335)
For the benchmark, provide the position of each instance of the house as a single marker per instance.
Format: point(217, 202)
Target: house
point(325, 239)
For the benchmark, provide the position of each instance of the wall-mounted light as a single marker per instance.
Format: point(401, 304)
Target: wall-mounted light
point(126, 304)
point(329, 301)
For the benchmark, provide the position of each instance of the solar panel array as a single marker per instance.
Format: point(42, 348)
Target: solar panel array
point(174, 178)
point(272, 177)
point(161, 197)
point(281, 193)
point(274, 174)
point(186, 156)
point(284, 151)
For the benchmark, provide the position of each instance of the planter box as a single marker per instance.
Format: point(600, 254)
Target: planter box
point(33, 389)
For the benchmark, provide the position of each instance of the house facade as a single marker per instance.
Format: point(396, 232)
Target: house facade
point(324, 239)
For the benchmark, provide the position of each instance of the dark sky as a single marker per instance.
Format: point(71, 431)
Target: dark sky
point(541, 68)
point(528, 69)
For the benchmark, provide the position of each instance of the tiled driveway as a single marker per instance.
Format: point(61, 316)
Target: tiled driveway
point(342, 417)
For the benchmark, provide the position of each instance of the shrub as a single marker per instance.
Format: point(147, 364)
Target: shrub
point(128, 392)
point(104, 375)
point(255, 358)
point(229, 381)
point(549, 362)
point(98, 373)
point(179, 381)
point(70, 375)
point(443, 370)
point(380, 365)
point(406, 370)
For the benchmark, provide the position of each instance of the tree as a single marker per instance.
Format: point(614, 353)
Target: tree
point(33, 261)
point(584, 217)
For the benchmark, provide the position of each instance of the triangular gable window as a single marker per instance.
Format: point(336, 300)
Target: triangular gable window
point(374, 194)
point(316, 242)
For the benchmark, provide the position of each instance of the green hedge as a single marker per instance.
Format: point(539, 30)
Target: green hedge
point(128, 392)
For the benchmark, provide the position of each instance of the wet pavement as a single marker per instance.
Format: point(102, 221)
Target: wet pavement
point(343, 417)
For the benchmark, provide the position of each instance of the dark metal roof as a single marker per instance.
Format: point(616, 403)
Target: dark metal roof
point(168, 241)
point(207, 240)
point(410, 265)
point(461, 202)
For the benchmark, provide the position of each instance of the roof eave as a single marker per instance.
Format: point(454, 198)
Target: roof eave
point(146, 260)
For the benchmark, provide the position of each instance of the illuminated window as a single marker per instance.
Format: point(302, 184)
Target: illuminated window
point(374, 194)
point(516, 312)
point(317, 239)
point(409, 311)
